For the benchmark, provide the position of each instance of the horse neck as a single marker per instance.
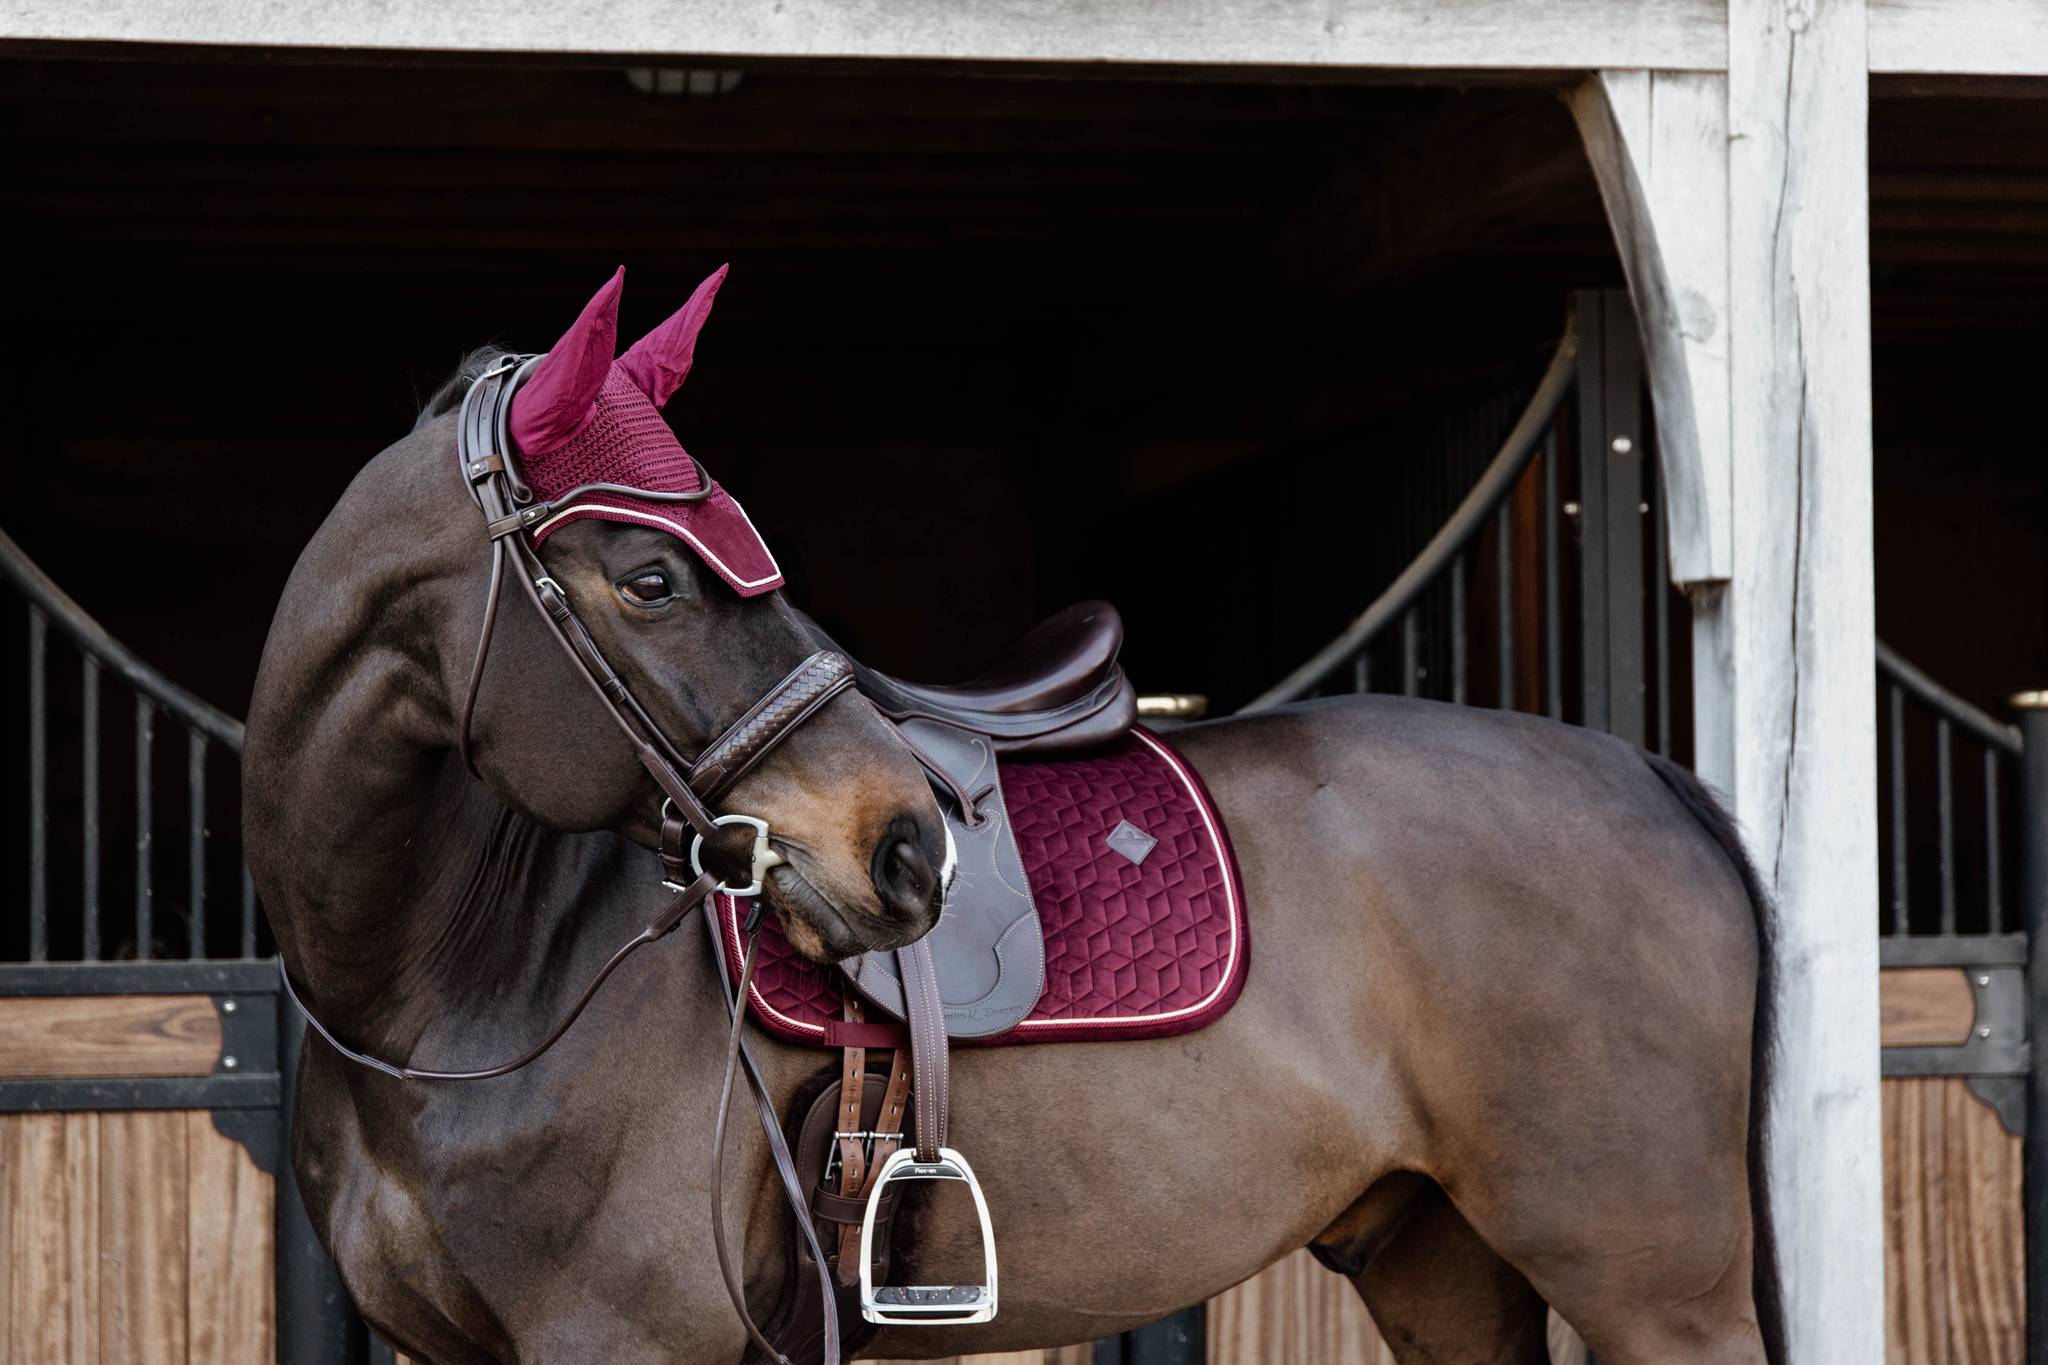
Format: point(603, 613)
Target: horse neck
point(376, 852)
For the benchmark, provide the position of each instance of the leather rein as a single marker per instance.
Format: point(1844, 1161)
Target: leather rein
point(689, 831)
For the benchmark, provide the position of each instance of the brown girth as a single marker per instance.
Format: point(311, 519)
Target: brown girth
point(689, 832)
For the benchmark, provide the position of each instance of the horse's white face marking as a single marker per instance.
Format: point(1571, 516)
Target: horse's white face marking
point(952, 862)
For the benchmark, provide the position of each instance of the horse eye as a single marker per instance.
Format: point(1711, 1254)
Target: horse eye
point(649, 588)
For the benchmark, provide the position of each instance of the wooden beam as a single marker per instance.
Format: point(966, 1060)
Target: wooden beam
point(114, 1035)
point(1971, 38)
point(1785, 654)
point(1442, 34)
point(1658, 141)
point(1959, 37)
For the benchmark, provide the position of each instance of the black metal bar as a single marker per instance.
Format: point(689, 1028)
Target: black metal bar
point(1410, 647)
point(1361, 671)
point(139, 978)
point(1896, 742)
point(1960, 950)
point(89, 802)
point(195, 782)
point(1944, 768)
point(248, 913)
point(1498, 480)
point(1994, 899)
point(38, 786)
point(1504, 588)
point(1610, 516)
point(1458, 630)
point(1938, 699)
point(2032, 714)
point(1659, 589)
point(1553, 626)
point(71, 1095)
point(316, 1323)
point(92, 638)
point(1592, 498)
point(145, 822)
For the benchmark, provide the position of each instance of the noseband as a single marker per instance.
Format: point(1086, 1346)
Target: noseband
point(689, 831)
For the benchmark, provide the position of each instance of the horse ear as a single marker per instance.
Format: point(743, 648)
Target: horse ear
point(556, 403)
point(660, 361)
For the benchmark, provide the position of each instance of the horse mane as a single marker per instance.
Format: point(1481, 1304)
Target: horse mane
point(448, 397)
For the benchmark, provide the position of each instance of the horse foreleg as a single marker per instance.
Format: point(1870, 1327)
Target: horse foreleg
point(1441, 1295)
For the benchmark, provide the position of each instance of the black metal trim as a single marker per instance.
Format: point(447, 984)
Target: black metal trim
point(1179, 1340)
point(2005, 1096)
point(260, 1131)
point(56, 1095)
point(1997, 1046)
point(238, 976)
point(1972, 1059)
point(2033, 904)
point(248, 1035)
point(1954, 950)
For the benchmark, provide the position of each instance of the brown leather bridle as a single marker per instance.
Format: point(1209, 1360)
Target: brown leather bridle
point(689, 831)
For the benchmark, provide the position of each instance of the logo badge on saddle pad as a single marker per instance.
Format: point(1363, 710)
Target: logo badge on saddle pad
point(1129, 840)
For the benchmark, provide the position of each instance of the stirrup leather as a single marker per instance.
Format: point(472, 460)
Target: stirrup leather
point(927, 1305)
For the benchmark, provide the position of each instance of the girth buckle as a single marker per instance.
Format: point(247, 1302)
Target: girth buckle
point(927, 1305)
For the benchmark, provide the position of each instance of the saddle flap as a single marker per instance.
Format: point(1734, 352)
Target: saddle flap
point(988, 947)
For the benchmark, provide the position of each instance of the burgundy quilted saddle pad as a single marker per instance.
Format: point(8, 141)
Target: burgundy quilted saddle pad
point(1135, 947)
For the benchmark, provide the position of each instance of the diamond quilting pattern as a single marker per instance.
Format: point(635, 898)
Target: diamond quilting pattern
point(1143, 949)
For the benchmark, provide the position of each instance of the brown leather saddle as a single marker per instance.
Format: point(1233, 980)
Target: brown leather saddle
point(1060, 690)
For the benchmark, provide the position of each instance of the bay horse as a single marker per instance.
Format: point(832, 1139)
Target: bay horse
point(1502, 1046)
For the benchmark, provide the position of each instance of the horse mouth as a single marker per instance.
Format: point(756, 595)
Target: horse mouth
point(821, 929)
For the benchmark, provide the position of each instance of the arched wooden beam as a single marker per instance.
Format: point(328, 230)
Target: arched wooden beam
point(1658, 142)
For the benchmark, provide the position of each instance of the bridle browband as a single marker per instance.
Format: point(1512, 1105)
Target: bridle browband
point(690, 833)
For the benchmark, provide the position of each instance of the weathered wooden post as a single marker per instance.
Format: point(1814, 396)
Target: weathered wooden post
point(1739, 202)
point(2030, 711)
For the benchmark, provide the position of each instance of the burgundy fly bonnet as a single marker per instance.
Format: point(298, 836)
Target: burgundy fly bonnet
point(583, 418)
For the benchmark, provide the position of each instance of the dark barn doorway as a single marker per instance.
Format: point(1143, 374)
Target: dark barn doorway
point(988, 344)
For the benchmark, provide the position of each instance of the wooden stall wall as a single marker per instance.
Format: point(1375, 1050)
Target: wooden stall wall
point(1954, 1243)
point(138, 1236)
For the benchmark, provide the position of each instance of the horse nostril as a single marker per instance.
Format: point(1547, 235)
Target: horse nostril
point(904, 875)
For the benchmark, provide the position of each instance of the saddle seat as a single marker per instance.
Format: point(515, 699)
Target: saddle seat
point(1058, 690)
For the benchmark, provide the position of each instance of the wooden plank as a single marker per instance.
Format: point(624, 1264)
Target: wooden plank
point(10, 1177)
point(1784, 653)
point(53, 1239)
point(142, 1238)
point(1915, 1249)
point(1293, 1313)
point(230, 1303)
point(1925, 1007)
point(108, 1035)
point(1658, 143)
point(1959, 37)
point(1670, 34)
point(1986, 1239)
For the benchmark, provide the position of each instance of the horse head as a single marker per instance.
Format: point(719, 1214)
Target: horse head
point(682, 600)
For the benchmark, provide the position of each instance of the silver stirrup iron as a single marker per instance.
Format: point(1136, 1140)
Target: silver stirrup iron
point(926, 1305)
